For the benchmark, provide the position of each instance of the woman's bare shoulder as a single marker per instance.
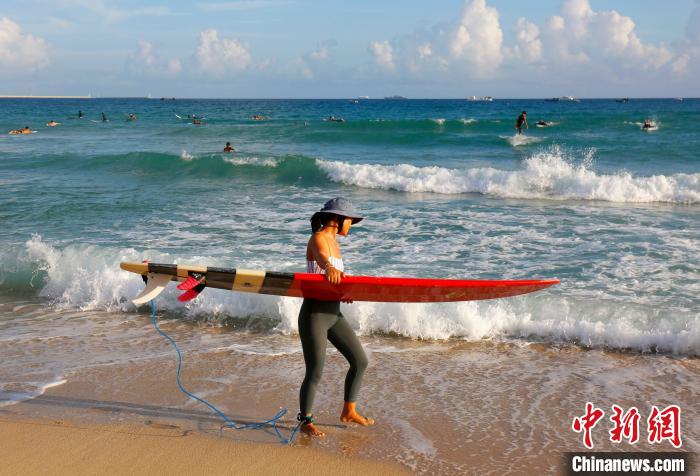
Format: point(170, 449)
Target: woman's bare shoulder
point(317, 239)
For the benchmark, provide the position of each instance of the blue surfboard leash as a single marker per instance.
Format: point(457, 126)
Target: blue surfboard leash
point(273, 422)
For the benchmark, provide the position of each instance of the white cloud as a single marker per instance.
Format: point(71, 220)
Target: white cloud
point(317, 62)
point(470, 45)
point(174, 65)
point(144, 60)
point(584, 35)
point(528, 46)
point(680, 64)
point(578, 44)
point(320, 54)
point(383, 55)
point(218, 55)
point(20, 52)
point(687, 61)
point(478, 38)
point(424, 50)
point(145, 53)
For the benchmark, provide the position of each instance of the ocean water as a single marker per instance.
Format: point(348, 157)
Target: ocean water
point(448, 190)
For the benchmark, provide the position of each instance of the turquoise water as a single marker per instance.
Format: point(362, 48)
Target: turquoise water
point(448, 190)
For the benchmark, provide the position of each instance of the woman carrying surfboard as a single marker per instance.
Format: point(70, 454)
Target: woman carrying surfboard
point(320, 321)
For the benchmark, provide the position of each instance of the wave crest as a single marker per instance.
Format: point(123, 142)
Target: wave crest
point(545, 175)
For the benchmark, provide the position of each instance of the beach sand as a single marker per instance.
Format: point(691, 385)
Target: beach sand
point(441, 407)
point(42, 446)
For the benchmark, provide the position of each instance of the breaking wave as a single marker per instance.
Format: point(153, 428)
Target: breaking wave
point(548, 174)
point(545, 175)
point(89, 278)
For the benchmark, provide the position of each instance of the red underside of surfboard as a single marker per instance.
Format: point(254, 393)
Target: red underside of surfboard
point(379, 289)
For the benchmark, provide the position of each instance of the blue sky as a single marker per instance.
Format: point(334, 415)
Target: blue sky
point(300, 48)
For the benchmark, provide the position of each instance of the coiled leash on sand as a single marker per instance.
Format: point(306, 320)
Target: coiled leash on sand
point(229, 423)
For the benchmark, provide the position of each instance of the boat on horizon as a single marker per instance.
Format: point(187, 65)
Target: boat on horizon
point(395, 98)
point(484, 98)
point(623, 100)
point(563, 98)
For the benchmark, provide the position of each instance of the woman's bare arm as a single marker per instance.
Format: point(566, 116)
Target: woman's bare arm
point(320, 252)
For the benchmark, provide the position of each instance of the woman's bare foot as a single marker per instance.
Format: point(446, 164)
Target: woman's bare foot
point(311, 430)
point(350, 415)
point(308, 427)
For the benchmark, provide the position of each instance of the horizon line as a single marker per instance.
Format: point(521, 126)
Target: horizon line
point(346, 98)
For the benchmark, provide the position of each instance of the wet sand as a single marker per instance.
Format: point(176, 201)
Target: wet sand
point(441, 407)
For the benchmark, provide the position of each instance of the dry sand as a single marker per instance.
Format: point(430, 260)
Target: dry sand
point(45, 446)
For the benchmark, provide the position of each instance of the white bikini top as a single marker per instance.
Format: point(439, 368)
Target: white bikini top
point(313, 267)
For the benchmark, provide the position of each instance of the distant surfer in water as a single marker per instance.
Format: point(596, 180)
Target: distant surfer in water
point(104, 118)
point(132, 117)
point(522, 120)
point(320, 321)
point(52, 123)
point(228, 148)
point(15, 132)
point(80, 114)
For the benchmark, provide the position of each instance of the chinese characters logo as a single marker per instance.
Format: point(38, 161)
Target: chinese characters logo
point(662, 425)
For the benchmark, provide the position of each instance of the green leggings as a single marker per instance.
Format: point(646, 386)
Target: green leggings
point(320, 321)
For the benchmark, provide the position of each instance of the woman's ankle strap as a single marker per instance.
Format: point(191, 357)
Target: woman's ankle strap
point(305, 419)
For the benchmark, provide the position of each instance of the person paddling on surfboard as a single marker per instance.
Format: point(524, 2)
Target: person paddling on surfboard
point(322, 320)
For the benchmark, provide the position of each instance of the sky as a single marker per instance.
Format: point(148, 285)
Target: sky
point(341, 49)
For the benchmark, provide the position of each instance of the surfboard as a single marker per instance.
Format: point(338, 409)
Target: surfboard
point(314, 286)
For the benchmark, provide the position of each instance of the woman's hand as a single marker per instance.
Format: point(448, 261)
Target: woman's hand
point(333, 274)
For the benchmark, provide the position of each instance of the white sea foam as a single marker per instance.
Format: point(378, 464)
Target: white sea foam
point(415, 444)
point(440, 121)
point(16, 392)
point(87, 277)
point(257, 161)
point(186, 156)
point(655, 125)
point(468, 121)
point(516, 140)
point(251, 349)
point(545, 175)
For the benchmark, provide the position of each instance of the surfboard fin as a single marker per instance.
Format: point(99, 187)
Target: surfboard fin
point(192, 280)
point(190, 294)
point(155, 284)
